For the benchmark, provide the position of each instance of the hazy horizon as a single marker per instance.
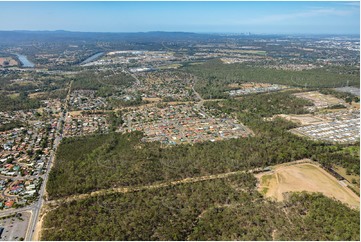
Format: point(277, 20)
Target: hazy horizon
point(337, 18)
point(185, 32)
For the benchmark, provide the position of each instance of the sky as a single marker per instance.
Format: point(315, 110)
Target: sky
point(201, 17)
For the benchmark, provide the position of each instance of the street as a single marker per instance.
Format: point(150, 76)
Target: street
point(35, 208)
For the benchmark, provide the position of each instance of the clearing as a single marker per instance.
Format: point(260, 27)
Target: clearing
point(304, 177)
point(301, 119)
point(320, 100)
point(350, 178)
point(8, 61)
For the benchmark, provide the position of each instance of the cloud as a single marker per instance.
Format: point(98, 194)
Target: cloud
point(314, 12)
point(355, 4)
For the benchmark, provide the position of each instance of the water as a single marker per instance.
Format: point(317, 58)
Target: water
point(91, 58)
point(24, 61)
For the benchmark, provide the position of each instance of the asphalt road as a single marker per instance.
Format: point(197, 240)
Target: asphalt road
point(35, 208)
point(199, 105)
point(37, 205)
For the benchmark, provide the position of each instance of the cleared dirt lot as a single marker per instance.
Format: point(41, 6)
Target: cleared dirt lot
point(152, 99)
point(8, 61)
point(304, 119)
point(320, 100)
point(304, 177)
point(250, 85)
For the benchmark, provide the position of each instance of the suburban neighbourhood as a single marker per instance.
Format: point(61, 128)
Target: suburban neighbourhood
point(226, 117)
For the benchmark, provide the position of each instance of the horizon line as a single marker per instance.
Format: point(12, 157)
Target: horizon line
point(170, 31)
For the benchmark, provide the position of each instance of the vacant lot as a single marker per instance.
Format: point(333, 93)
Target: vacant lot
point(37, 94)
point(304, 177)
point(152, 99)
point(320, 100)
point(7, 61)
point(302, 119)
point(251, 85)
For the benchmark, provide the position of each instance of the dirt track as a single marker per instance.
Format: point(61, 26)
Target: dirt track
point(140, 188)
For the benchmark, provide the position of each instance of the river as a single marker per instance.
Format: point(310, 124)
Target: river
point(24, 61)
point(91, 58)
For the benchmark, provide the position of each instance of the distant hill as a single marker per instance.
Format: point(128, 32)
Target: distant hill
point(25, 36)
point(61, 35)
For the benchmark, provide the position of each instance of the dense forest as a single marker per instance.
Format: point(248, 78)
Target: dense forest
point(214, 77)
point(115, 120)
point(222, 209)
point(260, 105)
point(21, 102)
point(104, 82)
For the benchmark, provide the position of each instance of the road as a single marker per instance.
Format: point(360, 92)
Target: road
point(38, 205)
point(35, 208)
point(199, 105)
point(57, 59)
point(18, 210)
point(201, 100)
point(130, 117)
point(166, 47)
point(134, 76)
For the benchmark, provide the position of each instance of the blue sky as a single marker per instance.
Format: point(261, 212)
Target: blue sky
point(234, 17)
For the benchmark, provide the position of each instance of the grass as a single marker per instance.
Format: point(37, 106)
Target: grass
point(36, 94)
point(264, 190)
point(266, 179)
point(196, 63)
point(349, 178)
point(172, 66)
point(13, 95)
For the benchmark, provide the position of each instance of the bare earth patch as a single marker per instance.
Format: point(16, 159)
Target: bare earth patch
point(8, 61)
point(320, 100)
point(152, 99)
point(37, 94)
point(304, 177)
point(303, 119)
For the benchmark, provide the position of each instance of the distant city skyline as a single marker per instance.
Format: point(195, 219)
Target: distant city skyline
point(200, 17)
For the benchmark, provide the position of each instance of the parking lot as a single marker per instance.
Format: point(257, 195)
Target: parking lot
point(14, 227)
